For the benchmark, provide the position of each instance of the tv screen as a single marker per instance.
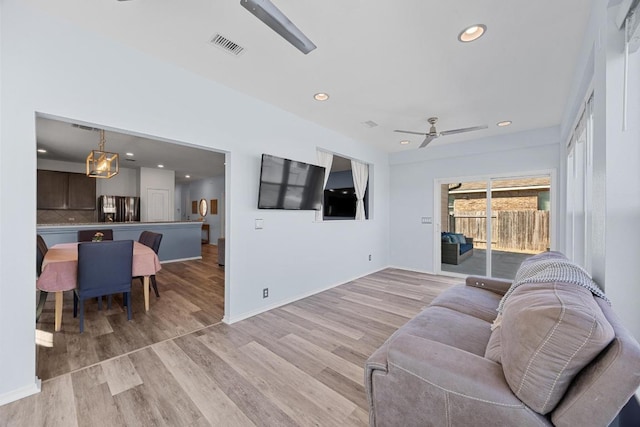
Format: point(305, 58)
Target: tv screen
point(288, 184)
point(340, 202)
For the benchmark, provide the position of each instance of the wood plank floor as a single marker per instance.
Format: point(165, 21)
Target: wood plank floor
point(191, 297)
point(298, 365)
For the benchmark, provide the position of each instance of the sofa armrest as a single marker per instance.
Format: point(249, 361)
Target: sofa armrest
point(429, 383)
point(499, 286)
point(469, 240)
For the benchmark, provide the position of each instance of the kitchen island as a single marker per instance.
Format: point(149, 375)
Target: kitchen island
point(181, 240)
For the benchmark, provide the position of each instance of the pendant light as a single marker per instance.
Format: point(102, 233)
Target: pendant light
point(102, 164)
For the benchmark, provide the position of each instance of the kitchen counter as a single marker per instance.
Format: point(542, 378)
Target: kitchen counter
point(181, 240)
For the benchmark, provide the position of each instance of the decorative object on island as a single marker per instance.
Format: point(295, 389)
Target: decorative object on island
point(102, 164)
point(213, 205)
point(90, 235)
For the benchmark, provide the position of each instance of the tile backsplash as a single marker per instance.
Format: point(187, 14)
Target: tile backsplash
point(47, 216)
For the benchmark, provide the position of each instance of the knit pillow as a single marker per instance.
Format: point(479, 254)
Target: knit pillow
point(548, 333)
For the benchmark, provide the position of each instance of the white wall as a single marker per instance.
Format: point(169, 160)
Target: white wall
point(413, 175)
point(49, 66)
point(209, 188)
point(623, 184)
point(616, 161)
point(123, 184)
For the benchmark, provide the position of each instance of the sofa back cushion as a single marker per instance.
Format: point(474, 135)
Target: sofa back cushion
point(548, 333)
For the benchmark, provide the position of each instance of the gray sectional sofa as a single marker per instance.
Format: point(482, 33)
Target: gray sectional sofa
point(557, 355)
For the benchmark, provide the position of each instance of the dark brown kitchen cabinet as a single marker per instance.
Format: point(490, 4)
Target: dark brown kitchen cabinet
point(66, 190)
point(82, 192)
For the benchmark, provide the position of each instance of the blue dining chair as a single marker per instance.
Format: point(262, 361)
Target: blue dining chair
point(104, 268)
point(152, 240)
point(41, 251)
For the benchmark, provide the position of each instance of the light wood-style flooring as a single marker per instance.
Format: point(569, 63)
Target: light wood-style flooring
point(191, 297)
point(298, 365)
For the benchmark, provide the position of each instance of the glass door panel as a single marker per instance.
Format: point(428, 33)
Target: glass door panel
point(463, 224)
point(520, 209)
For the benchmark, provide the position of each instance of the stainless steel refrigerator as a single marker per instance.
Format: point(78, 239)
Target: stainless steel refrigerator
point(118, 209)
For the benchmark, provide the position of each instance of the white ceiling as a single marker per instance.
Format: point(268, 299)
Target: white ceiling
point(395, 63)
point(65, 142)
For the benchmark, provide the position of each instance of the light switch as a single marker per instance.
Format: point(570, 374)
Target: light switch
point(259, 224)
point(427, 220)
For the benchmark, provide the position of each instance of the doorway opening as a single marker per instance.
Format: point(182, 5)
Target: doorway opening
point(159, 172)
point(490, 225)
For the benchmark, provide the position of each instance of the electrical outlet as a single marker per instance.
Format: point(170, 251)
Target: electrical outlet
point(265, 293)
point(369, 257)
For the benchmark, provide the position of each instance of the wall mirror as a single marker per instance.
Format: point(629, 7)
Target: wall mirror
point(203, 207)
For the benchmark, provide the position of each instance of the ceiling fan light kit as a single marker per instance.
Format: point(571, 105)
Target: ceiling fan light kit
point(268, 13)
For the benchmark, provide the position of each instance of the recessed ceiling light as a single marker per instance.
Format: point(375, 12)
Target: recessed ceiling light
point(41, 150)
point(129, 154)
point(472, 33)
point(405, 142)
point(504, 123)
point(160, 166)
point(187, 176)
point(321, 96)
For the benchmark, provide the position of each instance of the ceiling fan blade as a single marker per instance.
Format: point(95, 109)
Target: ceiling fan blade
point(411, 132)
point(268, 13)
point(452, 131)
point(427, 140)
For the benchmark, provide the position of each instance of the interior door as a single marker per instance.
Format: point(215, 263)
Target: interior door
point(157, 204)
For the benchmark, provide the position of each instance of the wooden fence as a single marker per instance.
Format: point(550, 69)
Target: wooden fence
point(517, 231)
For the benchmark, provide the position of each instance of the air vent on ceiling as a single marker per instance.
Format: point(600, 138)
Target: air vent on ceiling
point(224, 43)
point(370, 124)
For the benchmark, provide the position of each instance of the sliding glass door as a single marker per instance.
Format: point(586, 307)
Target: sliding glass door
point(463, 217)
point(501, 221)
point(520, 222)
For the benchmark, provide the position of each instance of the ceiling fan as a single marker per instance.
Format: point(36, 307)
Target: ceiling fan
point(268, 13)
point(433, 133)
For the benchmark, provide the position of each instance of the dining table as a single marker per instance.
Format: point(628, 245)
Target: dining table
point(59, 272)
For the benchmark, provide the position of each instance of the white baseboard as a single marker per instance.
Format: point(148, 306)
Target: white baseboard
point(20, 393)
point(233, 319)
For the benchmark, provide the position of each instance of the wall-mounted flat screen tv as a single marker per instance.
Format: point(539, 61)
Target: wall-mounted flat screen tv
point(289, 184)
